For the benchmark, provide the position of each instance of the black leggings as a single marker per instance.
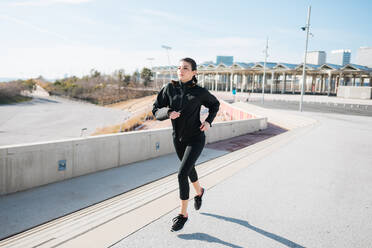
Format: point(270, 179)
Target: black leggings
point(188, 153)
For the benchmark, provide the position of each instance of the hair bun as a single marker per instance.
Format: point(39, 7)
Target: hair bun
point(194, 79)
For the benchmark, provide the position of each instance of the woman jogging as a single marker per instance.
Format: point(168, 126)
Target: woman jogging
point(181, 102)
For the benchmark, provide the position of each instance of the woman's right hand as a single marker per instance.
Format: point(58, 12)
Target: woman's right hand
point(174, 115)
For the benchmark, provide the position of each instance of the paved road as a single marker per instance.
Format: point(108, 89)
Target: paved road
point(53, 118)
point(315, 191)
point(295, 98)
point(20, 211)
point(311, 103)
point(338, 108)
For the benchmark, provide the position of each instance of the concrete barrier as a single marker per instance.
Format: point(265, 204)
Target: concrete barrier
point(234, 113)
point(30, 165)
point(355, 92)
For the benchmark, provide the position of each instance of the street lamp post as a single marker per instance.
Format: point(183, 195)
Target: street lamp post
point(167, 48)
point(307, 28)
point(264, 75)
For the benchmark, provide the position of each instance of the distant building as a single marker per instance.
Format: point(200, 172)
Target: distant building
point(339, 57)
point(364, 56)
point(207, 62)
point(316, 57)
point(280, 77)
point(228, 60)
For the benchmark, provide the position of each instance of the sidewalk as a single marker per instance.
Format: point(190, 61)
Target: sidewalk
point(242, 96)
point(23, 210)
point(20, 211)
point(309, 187)
point(312, 190)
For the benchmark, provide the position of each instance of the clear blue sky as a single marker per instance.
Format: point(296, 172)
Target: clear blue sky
point(57, 37)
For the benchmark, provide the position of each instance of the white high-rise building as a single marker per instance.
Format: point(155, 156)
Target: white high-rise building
point(364, 56)
point(316, 57)
point(339, 57)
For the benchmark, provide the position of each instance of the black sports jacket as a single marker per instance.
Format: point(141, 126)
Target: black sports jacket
point(187, 99)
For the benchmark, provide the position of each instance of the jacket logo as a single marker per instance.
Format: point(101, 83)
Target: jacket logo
point(191, 98)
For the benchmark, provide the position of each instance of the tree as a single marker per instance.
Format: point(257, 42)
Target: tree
point(135, 77)
point(119, 74)
point(29, 84)
point(127, 79)
point(94, 73)
point(146, 75)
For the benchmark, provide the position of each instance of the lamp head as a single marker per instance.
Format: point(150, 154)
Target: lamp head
point(166, 47)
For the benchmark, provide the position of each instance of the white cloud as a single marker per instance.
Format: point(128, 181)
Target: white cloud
point(153, 19)
point(56, 61)
point(231, 42)
point(181, 21)
point(34, 27)
point(77, 59)
point(48, 2)
point(162, 14)
point(85, 20)
point(242, 48)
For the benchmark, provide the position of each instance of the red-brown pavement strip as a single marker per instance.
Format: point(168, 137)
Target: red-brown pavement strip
point(242, 141)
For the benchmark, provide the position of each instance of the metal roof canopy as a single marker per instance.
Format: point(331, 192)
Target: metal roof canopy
point(276, 67)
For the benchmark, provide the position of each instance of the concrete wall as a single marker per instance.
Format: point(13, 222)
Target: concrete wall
point(26, 166)
point(234, 113)
point(355, 92)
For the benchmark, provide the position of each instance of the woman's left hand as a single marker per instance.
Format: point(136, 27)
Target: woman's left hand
point(205, 126)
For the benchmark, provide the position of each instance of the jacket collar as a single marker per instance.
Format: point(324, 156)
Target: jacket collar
point(188, 84)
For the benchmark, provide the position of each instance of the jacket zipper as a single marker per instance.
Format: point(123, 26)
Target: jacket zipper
point(183, 93)
point(182, 96)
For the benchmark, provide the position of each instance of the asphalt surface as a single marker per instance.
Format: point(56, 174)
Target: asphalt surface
point(311, 103)
point(23, 210)
point(53, 118)
point(315, 191)
point(312, 192)
point(48, 118)
point(20, 211)
point(332, 108)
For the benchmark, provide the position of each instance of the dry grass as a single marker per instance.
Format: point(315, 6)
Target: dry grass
point(142, 106)
point(134, 105)
point(130, 125)
point(42, 84)
point(13, 92)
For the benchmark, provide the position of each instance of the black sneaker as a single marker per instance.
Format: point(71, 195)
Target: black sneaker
point(178, 223)
point(198, 200)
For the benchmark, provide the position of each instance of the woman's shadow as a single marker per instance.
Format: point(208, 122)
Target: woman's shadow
point(208, 238)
